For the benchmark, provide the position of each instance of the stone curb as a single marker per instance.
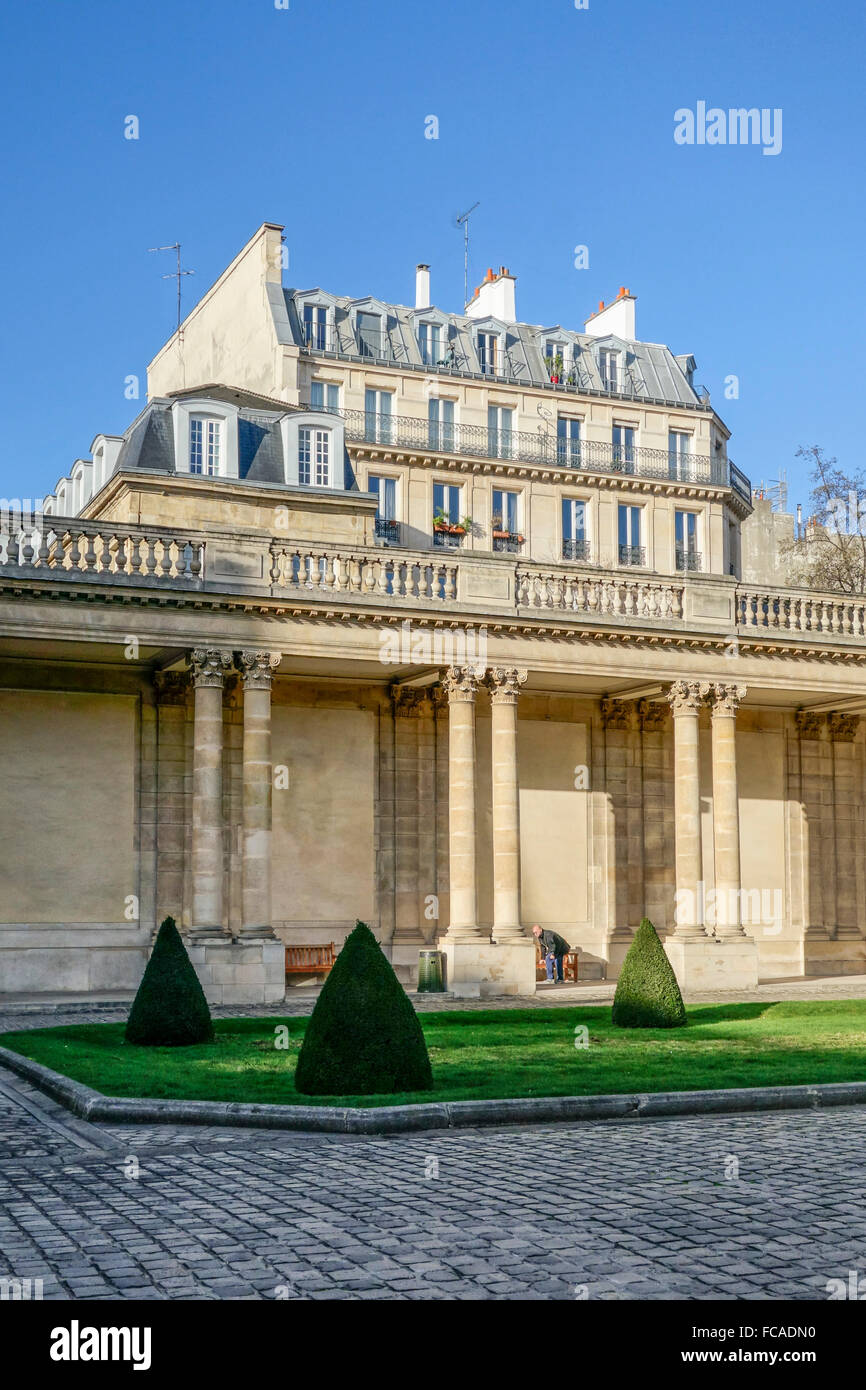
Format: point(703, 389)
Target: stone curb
point(401, 1119)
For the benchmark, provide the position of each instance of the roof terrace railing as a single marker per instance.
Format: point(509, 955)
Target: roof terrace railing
point(544, 447)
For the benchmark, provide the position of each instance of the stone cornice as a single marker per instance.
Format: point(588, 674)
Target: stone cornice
point(579, 629)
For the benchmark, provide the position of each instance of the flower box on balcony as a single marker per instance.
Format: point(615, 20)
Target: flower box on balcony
point(449, 529)
point(508, 536)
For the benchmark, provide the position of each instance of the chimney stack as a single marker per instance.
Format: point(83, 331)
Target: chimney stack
point(616, 317)
point(422, 287)
point(494, 296)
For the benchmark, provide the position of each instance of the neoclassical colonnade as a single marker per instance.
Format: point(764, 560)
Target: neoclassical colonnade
point(460, 686)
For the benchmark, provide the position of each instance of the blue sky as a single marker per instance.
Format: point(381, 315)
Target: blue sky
point(559, 121)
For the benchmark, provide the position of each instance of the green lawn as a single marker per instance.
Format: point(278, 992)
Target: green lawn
point(483, 1055)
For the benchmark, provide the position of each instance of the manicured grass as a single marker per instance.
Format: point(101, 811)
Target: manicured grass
point(488, 1054)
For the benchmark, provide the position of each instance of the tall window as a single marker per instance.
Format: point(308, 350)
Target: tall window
point(386, 508)
point(370, 337)
point(608, 366)
point(505, 520)
point(622, 439)
point(446, 513)
point(686, 540)
point(500, 420)
point(324, 395)
point(554, 359)
point(488, 359)
point(377, 416)
point(574, 540)
point(314, 457)
point(440, 429)
point(678, 453)
point(204, 446)
point(630, 547)
point(568, 441)
point(429, 343)
point(316, 327)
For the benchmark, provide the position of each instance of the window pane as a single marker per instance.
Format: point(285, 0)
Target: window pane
point(317, 395)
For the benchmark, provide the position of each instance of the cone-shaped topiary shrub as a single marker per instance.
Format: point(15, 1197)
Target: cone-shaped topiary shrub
point(170, 1009)
point(647, 993)
point(364, 1037)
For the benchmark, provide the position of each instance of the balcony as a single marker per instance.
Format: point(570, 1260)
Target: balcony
point(388, 530)
point(448, 535)
point(688, 560)
point(541, 447)
point(634, 555)
point(507, 542)
point(575, 550)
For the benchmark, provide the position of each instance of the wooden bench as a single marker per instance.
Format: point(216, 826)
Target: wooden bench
point(569, 966)
point(310, 960)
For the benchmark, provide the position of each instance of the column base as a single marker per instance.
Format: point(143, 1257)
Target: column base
point(238, 972)
point(714, 964)
point(839, 957)
point(482, 970)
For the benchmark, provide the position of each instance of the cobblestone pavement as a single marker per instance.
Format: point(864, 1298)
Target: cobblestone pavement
point(625, 1210)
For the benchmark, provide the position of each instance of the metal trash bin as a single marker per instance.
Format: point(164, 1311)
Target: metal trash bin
point(431, 972)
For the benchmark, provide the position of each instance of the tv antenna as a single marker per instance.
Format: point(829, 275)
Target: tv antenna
point(174, 274)
point(463, 221)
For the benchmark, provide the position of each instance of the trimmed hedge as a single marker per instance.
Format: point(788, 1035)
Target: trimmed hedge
point(647, 993)
point(170, 1009)
point(364, 1037)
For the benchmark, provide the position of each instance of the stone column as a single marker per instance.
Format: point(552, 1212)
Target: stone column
point(461, 686)
point(209, 665)
point(685, 699)
point(257, 668)
point(725, 701)
point(505, 683)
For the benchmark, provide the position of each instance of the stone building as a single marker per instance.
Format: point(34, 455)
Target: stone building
point(436, 620)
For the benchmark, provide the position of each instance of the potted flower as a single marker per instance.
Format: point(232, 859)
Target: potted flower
point(499, 531)
point(554, 367)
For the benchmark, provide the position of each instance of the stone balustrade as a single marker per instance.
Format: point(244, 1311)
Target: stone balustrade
point(378, 573)
point(615, 596)
point(68, 549)
point(62, 547)
point(796, 611)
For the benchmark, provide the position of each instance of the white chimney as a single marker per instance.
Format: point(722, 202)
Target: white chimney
point(494, 296)
point(617, 318)
point(422, 287)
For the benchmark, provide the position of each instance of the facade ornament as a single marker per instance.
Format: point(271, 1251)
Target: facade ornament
point(411, 700)
point(209, 665)
point(686, 697)
point(843, 726)
point(504, 684)
point(172, 687)
point(258, 668)
point(726, 699)
point(617, 714)
point(652, 715)
point(461, 683)
point(809, 724)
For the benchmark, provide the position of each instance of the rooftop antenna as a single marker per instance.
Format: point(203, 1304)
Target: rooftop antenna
point(463, 221)
point(778, 491)
point(175, 274)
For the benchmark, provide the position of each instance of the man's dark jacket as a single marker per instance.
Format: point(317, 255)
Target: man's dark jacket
point(552, 944)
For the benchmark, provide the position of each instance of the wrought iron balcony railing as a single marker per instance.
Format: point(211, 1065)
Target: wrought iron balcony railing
point(688, 560)
point(521, 446)
point(632, 555)
point(575, 550)
point(388, 530)
point(512, 543)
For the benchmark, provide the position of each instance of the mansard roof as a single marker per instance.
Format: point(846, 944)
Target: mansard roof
point(653, 372)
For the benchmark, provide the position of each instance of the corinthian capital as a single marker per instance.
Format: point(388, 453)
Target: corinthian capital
point(461, 683)
point(686, 697)
point(209, 665)
point(726, 699)
point(258, 668)
point(504, 683)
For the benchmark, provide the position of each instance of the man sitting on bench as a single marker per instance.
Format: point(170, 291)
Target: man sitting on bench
point(553, 948)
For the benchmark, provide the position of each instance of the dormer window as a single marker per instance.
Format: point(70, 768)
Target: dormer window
point(205, 445)
point(370, 336)
point(430, 343)
point(316, 327)
point(314, 457)
point(488, 353)
point(608, 365)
